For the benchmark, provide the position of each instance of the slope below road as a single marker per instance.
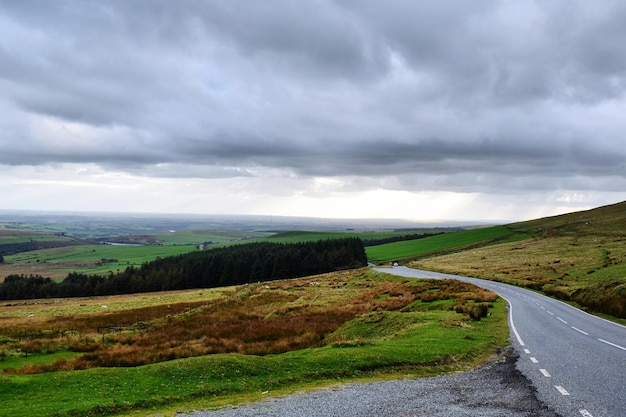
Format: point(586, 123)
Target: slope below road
point(576, 361)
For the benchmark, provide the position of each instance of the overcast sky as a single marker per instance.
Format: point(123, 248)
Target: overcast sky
point(472, 110)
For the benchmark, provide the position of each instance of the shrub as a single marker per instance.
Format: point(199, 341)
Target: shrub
point(478, 311)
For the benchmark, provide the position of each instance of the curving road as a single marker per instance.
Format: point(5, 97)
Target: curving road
point(576, 361)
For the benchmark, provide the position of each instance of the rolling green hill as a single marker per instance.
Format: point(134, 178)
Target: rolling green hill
point(443, 243)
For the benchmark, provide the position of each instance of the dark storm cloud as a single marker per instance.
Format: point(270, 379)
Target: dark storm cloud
point(323, 88)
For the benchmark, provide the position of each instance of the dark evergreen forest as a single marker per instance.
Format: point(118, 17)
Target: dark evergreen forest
point(382, 241)
point(240, 264)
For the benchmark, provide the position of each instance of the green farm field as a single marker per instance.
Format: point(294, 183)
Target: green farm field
point(430, 246)
point(92, 259)
point(9, 237)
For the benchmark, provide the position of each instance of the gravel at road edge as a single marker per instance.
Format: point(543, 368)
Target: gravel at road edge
point(496, 389)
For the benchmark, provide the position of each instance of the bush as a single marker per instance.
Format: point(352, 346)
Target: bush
point(479, 312)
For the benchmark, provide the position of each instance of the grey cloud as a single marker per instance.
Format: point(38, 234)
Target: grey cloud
point(464, 93)
point(310, 37)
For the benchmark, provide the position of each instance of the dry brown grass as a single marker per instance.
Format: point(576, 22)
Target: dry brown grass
point(261, 319)
point(534, 260)
point(43, 269)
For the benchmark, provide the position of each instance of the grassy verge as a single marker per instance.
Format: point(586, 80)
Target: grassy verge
point(409, 328)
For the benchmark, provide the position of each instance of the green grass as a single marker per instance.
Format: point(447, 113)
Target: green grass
point(25, 238)
point(379, 344)
point(435, 244)
point(96, 259)
point(13, 361)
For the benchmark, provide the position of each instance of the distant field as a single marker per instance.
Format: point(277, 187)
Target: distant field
point(436, 244)
point(8, 237)
point(311, 236)
point(57, 262)
point(213, 237)
point(91, 259)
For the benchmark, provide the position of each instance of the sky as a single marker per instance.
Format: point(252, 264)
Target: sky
point(494, 110)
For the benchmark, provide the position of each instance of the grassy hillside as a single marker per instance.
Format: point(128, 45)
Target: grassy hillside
point(149, 353)
point(580, 257)
point(444, 243)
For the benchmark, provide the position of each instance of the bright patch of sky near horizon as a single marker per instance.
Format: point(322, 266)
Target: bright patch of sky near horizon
point(494, 110)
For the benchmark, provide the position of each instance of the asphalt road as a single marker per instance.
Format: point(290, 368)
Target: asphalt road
point(576, 361)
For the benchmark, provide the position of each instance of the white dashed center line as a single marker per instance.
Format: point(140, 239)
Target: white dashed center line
point(545, 373)
point(561, 320)
point(533, 360)
point(580, 331)
point(585, 413)
point(562, 390)
point(612, 344)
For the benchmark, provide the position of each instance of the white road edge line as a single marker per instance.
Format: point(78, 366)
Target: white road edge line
point(612, 344)
point(580, 331)
point(585, 413)
point(562, 390)
point(545, 373)
point(519, 339)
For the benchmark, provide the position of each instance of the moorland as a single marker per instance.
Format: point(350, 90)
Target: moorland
point(161, 351)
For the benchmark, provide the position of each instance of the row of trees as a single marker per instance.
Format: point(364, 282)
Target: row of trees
point(13, 248)
point(402, 238)
point(233, 265)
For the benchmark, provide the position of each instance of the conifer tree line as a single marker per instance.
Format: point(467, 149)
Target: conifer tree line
point(402, 238)
point(234, 265)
